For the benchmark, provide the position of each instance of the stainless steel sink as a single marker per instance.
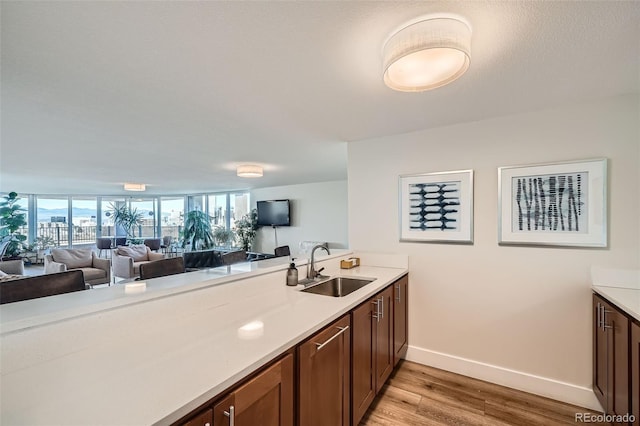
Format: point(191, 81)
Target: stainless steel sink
point(338, 286)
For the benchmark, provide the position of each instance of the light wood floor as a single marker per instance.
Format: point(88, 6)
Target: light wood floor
point(420, 395)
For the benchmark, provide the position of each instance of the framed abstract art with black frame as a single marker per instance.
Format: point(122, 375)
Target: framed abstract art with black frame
point(436, 207)
point(560, 204)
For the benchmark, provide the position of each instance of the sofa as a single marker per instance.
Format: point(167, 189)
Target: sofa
point(94, 269)
point(127, 260)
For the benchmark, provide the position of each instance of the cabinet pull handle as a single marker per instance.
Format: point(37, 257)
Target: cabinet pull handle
point(598, 319)
point(232, 415)
point(322, 345)
point(377, 314)
point(382, 307)
point(398, 296)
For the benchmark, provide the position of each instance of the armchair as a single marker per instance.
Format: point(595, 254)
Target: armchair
point(234, 257)
point(127, 260)
point(12, 267)
point(94, 269)
point(162, 268)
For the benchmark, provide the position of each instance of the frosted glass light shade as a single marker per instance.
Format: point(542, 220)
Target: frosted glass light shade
point(135, 187)
point(249, 171)
point(427, 54)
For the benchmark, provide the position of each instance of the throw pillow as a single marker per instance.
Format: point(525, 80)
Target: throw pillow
point(137, 252)
point(73, 258)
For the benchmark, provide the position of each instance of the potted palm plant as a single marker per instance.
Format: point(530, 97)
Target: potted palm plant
point(12, 218)
point(125, 219)
point(197, 231)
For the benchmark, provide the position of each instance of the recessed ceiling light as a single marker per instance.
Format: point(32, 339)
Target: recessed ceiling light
point(135, 187)
point(249, 171)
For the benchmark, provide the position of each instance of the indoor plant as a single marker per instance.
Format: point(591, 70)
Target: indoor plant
point(197, 231)
point(246, 229)
point(12, 218)
point(223, 236)
point(125, 218)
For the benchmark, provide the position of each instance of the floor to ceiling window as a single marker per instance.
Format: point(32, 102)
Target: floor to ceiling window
point(107, 204)
point(83, 221)
point(196, 202)
point(52, 219)
point(217, 204)
point(239, 206)
point(78, 220)
point(172, 216)
point(148, 210)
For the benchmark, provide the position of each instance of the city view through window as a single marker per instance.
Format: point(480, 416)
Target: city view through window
point(67, 221)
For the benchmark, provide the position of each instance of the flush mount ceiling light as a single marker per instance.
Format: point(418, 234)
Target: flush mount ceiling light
point(427, 54)
point(135, 187)
point(249, 171)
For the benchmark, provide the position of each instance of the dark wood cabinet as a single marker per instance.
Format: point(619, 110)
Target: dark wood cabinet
point(267, 399)
point(611, 357)
point(363, 385)
point(372, 350)
point(634, 343)
point(384, 338)
point(324, 374)
point(340, 369)
point(400, 318)
point(203, 419)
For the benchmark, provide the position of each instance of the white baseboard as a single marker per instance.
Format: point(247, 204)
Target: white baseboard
point(554, 389)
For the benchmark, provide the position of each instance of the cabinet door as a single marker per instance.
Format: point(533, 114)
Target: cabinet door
point(324, 376)
point(400, 318)
point(611, 357)
point(635, 372)
point(363, 387)
point(617, 328)
point(203, 419)
point(384, 338)
point(265, 400)
point(599, 353)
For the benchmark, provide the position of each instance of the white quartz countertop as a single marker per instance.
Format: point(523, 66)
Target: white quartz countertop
point(128, 361)
point(619, 286)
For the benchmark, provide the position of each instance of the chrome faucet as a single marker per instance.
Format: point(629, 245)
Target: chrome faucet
point(311, 266)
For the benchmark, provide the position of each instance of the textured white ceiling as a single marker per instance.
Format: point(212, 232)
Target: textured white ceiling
point(176, 94)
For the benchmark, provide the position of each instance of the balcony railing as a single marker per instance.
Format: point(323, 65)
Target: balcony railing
point(86, 234)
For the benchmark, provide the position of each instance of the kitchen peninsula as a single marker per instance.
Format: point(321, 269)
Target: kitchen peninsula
point(105, 356)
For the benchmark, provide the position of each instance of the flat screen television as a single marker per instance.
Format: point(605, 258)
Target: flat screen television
point(273, 213)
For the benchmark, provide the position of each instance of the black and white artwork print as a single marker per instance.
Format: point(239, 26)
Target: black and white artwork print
point(551, 203)
point(434, 206)
point(437, 207)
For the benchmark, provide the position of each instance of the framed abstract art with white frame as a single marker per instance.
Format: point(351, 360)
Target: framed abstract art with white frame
point(436, 207)
point(559, 204)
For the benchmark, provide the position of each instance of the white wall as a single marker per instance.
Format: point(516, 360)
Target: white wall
point(318, 213)
point(520, 316)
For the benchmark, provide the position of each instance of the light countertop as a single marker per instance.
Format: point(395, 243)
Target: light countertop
point(620, 286)
point(155, 356)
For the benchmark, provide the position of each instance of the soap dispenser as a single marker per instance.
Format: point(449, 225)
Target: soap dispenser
point(292, 275)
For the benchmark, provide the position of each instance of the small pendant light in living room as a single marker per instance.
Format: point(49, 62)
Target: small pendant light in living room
point(249, 171)
point(427, 53)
